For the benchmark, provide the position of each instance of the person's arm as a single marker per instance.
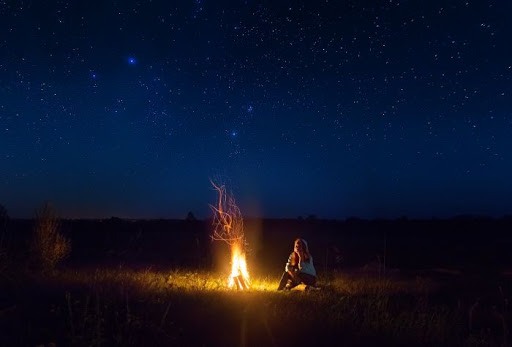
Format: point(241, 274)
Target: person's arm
point(291, 265)
point(301, 260)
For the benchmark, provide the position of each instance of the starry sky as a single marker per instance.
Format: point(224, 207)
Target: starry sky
point(372, 109)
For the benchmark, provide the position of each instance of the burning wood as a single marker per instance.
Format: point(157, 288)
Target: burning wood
point(229, 228)
point(240, 283)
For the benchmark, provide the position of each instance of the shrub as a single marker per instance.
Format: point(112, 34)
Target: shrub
point(49, 246)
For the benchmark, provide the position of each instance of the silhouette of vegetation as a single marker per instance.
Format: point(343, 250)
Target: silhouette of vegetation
point(49, 246)
point(4, 217)
point(311, 217)
point(4, 257)
point(190, 217)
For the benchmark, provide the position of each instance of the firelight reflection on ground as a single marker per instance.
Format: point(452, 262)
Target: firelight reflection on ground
point(151, 280)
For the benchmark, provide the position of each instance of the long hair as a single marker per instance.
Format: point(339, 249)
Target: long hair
point(306, 256)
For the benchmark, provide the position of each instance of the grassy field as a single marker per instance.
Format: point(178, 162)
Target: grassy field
point(127, 307)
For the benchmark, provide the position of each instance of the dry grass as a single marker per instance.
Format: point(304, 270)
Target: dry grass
point(100, 307)
point(365, 305)
point(49, 247)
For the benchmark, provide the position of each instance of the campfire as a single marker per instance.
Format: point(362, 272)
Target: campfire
point(239, 276)
point(229, 228)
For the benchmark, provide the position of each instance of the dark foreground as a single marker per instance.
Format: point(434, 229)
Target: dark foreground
point(163, 283)
point(124, 307)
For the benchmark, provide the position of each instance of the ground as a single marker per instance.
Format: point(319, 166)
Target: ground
point(128, 307)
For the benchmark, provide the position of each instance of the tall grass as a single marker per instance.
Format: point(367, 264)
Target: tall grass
point(123, 307)
point(359, 307)
point(49, 247)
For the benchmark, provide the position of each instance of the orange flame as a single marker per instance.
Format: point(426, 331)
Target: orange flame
point(239, 277)
point(229, 227)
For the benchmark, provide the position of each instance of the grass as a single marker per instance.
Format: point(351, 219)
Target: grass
point(126, 307)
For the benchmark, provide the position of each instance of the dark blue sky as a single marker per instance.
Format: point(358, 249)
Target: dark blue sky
point(332, 108)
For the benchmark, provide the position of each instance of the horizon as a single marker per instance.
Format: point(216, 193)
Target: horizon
point(305, 218)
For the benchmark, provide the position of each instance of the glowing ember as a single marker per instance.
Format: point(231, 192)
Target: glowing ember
point(229, 227)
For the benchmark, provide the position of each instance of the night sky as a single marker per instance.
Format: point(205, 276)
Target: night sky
point(332, 108)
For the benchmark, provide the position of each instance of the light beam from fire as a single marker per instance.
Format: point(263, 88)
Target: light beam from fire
point(228, 226)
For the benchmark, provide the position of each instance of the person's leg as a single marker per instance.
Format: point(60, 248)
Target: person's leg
point(292, 283)
point(307, 279)
point(284, 280)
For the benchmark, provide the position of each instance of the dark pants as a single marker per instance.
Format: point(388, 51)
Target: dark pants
point(288, 281)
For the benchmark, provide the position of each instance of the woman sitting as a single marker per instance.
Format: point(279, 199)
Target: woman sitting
point(299, 269)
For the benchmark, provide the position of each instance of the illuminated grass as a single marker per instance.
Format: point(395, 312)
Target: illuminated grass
point(161, 281)
point(129, 306)
point(187, 280)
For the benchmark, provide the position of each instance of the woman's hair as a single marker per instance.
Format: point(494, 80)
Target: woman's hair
point(305, 248)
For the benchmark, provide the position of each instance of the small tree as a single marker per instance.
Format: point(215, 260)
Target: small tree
point(49, 246)
point(190, 217)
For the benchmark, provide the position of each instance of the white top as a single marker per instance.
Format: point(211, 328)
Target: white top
point(307, 267)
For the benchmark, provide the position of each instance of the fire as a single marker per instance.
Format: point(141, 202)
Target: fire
point(229, 227)
point(239, 277)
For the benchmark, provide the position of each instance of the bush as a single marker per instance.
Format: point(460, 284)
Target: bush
point(49, 246)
